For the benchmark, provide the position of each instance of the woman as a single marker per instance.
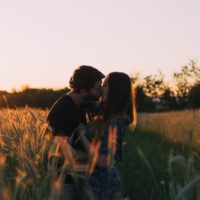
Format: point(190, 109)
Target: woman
point(119, 111)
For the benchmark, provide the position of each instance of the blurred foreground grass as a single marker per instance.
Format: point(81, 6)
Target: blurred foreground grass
point(156, 168)
point(161, 159)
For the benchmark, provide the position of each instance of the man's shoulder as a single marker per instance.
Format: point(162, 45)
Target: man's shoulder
point(64, 98)
point(62, 106)
point(63, 101)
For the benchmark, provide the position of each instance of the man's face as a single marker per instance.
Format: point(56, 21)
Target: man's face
point(96, 92)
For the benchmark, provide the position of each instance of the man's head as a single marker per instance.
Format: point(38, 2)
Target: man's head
point(87, 81)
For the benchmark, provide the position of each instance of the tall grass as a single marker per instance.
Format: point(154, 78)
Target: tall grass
point(161, 159)
point(29, 157)
point(179, 126)
point(31, 165)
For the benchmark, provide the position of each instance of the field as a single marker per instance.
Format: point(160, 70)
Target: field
point(161, 158)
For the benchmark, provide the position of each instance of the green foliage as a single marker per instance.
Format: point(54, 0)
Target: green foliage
point(39, 98)
point(185, 80)
point(155, 168)
point(143, 102)
point(194, 96)
point(154, 85)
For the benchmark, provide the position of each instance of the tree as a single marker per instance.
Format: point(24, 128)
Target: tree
point(154, 85)
point(144, 103)
point(40, 98)
point(168, 100)
point(184, 81)
point(194, 96)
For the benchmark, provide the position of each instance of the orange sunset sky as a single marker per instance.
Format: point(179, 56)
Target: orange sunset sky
point(42, 41)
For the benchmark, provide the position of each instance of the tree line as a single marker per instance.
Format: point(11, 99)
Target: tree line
point(153, 93)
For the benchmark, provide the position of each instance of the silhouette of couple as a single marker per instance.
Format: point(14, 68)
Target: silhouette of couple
point(93, 116)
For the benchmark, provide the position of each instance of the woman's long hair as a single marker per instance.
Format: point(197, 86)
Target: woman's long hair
point(120, 101)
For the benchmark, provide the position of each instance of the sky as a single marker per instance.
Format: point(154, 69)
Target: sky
point(43, 41)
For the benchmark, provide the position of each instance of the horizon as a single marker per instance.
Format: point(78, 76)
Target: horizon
point(168, 80)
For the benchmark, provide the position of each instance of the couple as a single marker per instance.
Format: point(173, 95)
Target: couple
point(116, 109)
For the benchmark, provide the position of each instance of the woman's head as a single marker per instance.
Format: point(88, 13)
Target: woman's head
point(119, 97)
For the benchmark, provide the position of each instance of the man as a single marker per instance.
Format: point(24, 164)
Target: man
point(67, 114)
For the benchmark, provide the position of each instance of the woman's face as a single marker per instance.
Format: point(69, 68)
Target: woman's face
point(105, 89)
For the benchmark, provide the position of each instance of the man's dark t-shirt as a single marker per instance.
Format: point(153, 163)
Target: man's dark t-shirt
point(65, 116)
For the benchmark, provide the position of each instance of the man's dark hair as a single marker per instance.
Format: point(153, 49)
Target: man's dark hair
point(84, 77)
